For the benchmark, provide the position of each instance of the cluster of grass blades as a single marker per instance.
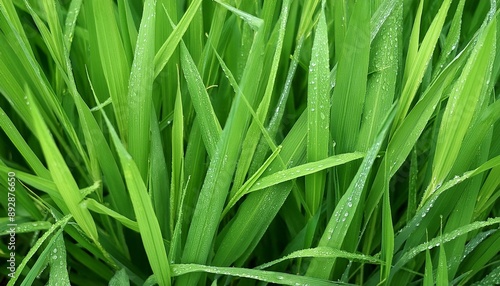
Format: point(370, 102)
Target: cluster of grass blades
point(238, 142)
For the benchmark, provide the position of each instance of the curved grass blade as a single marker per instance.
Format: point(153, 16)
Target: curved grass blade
point(437, 241)
point(304, 170)
point(97, 207)
point(324, 252)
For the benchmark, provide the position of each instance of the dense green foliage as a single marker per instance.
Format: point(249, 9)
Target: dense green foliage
point(249, 142)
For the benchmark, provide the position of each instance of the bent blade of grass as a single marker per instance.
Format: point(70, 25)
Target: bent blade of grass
point(493, 278)
point(140, 90)
point(97, 207)
point(251, 20)
point(421, 212)
point(147, 221)
point(343, 215)
point(461, 107)
point(304, 170)
point(318, 113)
point(42, 184)
point(261, 275)
point(325, 252)
point(209, 124)
point(437, 241)
point(60, 173)
point(46, 257)
point(26, 227)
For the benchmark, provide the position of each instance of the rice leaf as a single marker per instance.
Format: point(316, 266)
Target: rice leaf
point(318, 113)
point(140, 89)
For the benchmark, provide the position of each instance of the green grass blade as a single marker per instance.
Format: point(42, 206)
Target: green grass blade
point(261, 275)
point(259, 208)
point(349, 93)
point(304, 170)
point(120, 279)
point(60, 173)
point(97, 207)
point(149, 227)
point(209, 124)
point(318, 113)
point(140, 91)
point(177, 161)
point(411, 253)
point(324, 252)
point(114, 62)
point(428, 275)
point(442, 271)
point(387, 244)
point(57, 261)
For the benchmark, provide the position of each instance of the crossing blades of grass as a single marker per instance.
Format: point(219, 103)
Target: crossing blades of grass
point(417, 61)
point(168, 48)
point(60, 173)
point(344, 212)
point(461, 106)
point(60, 223)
